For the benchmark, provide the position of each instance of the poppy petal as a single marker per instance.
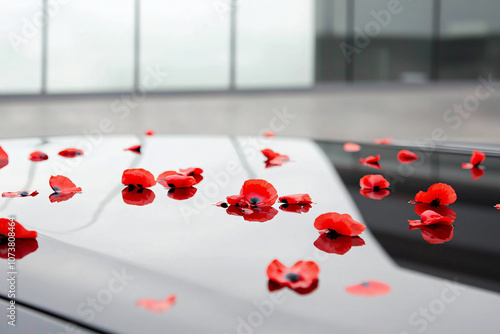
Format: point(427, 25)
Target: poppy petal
point(301, 275)
point(406, 157)
point(339, 245)
point(135, 149)
point(369, 289)
point(269, 134)
point(158, 306)
point(376, 195)
point(258, 192)
point(352, 147)
point(476, 173)
point(176, 181)
point(60, 197)
point(296, 199)
point(384, 141)
point(296, 208)
point(19, 194)
point(343, 224)
point(8, 226)
point(443, 210)
point(430, 217)
point(62, 184)
point(149, 133)
point(477, 157)
point(138, 196)
point(4, 158)
point(138, 177)
point(38, 156)
point(71, 153)
point(369, 159)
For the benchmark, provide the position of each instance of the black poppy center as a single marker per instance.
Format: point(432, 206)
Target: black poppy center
point(3, 239)
point(376, 188)
point(365, 284)
point(43, 155)
point(78, 153)
point(23, 193)
point(332, 234)
point(254, 200)
point(292, 277)
point(435, 202)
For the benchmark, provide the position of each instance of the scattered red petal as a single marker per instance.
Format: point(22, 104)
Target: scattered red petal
point(158, 306)
point(20, 194)
point(302, 275)
point(384, 141)
point(269, 134)
point(296, 208)
point(436, 233)
point(437, 194)
point(369, 289)
point(338, 244)
point(296, 199)
point(149, 133)
point(138, 196)
point(20, 232)
point(274, 286)
point(135, 149)
point(371, 161)
point(497, 206)
point(181, 194)
point(22, 248)
point(352, 147)
point(4, 158)
point(477, 157)
point(171, 179)
point(38, 156)
point(60, 197)
point(274, 159)
point(430, 217)
point(343, 224)
point(138, 177)
point(195, 172)
point(406, 157)
point(62, 184)
point(71, 153)
point(442, 210)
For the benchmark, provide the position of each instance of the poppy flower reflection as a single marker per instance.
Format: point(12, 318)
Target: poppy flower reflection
point(302, 277)
point(38, 156)
point(296, 208)
point(298, 203)
point(334, 243)
point(274, 159)
point(4, 158)
point(476, 170)
point(22, 248)
point(369, 289)
point(443, 210)
point(436, 233)
point(253, 214)
point(181, 194)
point(63, 187)
point(374, 186)
point(371, 161)
point(137, 196)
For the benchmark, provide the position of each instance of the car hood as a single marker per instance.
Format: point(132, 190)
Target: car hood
point(213, 262)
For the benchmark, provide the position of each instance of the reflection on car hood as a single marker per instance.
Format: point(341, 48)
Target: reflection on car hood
point(214, 262)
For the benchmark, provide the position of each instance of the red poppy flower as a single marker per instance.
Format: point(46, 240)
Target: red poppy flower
point(149, 133)
point(254, 214)
point(22, 248)
point(38, 156)
point(255, 192)
point(302, 275)
point(20, 194)
point(135, 149)
point(138, 196)
point(476, 158)
point(296, 208)
point(71, 153)
point(11, 226)
point(371, 161)
point(430, 217)
point(194, 172)
point(158, 306)
point(171, 179)
point(437, 194)
point(60, 197)
point(369, 289)
point(138, 177)
point(296, 199)
point(351, 147)
point(436, 233)
point(374, 186)
point(269, 134)
point(497, 206)
point(406, 157)
point(334, 243)
point(4, 158)
point(384, 141)
point(62, 184)
point(274, 159)
point(442, 210)
point(181, 194)
point(342, 224)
